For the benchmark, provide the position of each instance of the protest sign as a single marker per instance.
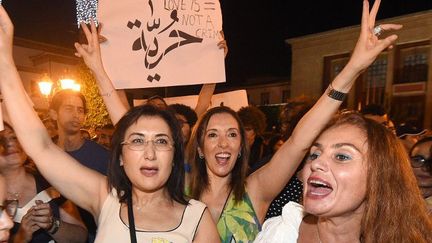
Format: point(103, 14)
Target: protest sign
point(161, 43)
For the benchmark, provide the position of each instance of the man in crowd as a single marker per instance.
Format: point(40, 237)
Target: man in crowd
point(68, 109)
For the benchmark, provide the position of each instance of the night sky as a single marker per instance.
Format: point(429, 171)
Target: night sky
point(255, 30)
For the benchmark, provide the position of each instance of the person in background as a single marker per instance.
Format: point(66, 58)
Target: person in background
point(186, 117)
point(157, 101)
point(409, 134)
point(104, 135)
point(421, 162)
point(275, 142)
point(68, 109)
point(254, 122)
point(289, 114)
point(377, 113)
point(42, 214)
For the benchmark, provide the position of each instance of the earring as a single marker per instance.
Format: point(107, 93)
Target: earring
point(239, 155)
point(201, 156)
point(121, 161)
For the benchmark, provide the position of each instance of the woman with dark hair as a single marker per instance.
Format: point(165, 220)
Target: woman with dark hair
point(354, 177)
point(40, 209)
point(255, 123)
point(142, 198)
point(219, 154)
point(421, 163)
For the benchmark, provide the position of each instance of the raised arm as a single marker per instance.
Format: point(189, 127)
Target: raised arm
point(62, 171)
point(92, 57)
point(285, 162)
point(207, 90)
point(204, 98)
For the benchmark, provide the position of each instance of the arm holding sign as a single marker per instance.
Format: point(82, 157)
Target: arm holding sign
point(91, 55)
point(207, 90)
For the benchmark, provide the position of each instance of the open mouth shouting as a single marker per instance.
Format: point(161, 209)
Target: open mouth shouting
point(318, 188)
point(222, 158)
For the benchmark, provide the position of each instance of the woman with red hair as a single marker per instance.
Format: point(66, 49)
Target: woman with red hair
point(358, 187)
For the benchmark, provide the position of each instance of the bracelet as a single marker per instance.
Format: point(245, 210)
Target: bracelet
point(55, 226)
point(108, 94)
point(336, 95)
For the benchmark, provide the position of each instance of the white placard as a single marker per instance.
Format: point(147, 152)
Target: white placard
point(233, 99)
point(158, 43)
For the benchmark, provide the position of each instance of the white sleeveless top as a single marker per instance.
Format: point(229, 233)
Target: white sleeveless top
point(112, 229)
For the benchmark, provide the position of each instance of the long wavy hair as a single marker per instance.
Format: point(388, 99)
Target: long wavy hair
point(199, 176)
point(117, 177)
point(394, 208)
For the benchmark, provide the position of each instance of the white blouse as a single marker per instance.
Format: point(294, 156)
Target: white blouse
point(284, 228)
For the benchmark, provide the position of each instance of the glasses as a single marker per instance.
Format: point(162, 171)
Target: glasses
point(159, 144)
point(418, 161)
point(10, 207)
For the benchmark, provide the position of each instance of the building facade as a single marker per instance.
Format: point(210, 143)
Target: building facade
point(36, 61)
point(400, 79)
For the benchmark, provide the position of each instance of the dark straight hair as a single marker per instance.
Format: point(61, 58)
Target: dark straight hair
point(199, 177)
point(117, 177)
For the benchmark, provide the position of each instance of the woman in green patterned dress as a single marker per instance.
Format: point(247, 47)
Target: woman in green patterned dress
point(219, 154)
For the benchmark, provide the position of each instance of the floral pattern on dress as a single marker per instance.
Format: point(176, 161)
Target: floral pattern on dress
point(238, 222)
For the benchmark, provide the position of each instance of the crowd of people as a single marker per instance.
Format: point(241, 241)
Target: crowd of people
point(171, 173)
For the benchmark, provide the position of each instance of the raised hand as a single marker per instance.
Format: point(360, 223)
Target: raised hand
point(369, 46)
point(6, 36)
point(90, 52)
point(223, 44)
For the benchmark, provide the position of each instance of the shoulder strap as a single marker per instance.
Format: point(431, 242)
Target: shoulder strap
point(132, 231)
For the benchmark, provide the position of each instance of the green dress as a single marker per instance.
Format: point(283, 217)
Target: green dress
point(238, 221)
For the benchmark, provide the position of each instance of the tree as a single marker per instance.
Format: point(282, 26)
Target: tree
point(97, 114)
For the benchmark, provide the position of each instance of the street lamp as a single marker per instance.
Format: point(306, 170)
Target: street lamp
point(69, 84)
point(45, 85)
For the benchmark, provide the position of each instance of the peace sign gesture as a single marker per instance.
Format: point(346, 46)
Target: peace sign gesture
point(90, 52)
point(369, 45)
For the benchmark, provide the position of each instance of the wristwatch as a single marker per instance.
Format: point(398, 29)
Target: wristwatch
point(336, 95)
point(55, 226)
